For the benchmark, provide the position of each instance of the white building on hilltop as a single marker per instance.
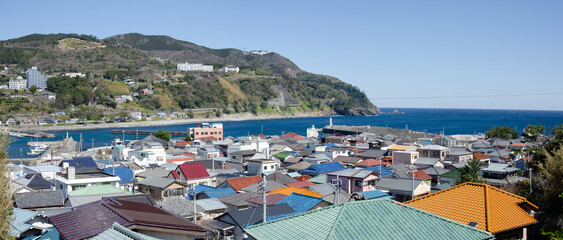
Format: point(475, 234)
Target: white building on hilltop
point(194, 67)
point(229, 68)
point(18, 84)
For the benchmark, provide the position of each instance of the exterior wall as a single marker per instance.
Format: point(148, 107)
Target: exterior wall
point(199, 133)
point(166, 235)
point(257, 167)
point(441, 154)
point(194, 67)
point(18, 84)
point(349, 185)
point(35, 78)
point(148, 156)
point(404, 157)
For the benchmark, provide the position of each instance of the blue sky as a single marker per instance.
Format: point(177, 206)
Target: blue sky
point(490, 54)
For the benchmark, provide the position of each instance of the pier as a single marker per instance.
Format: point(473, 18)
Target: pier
point(382, 131)
point(34, 134)
point(146, 132)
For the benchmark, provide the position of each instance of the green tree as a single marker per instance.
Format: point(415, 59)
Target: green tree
point(190, 114)
point(6, 209)
point(547, 186)
point(470, 173)
point(218, 113)
point(555, 140)
point(32, 89)
point(532, 133)
point(164, 135)
point(502, 132)
point(188, 138)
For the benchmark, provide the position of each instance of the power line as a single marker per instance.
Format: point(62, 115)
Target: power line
point(467, 96)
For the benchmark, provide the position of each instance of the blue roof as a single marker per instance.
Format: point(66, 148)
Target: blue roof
point(300, 203)
point(79, 162)
point(375, 194)
point(317, 169)
point(124, 173)
point(211, 192)
point(384, 170)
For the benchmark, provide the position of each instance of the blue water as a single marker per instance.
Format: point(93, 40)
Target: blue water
point(452, 121)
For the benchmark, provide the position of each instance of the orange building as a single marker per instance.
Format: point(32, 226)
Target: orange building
point(207, 131)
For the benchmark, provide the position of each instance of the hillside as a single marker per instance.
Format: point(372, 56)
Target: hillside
point(265, 83)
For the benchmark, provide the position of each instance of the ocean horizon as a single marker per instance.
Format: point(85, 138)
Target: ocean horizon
point(431, 120)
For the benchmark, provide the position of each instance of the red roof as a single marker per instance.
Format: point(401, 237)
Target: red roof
point(175, 174)
point(188, 154)
point(371, 162)
point(421, 175)
point(193, 170)
point(480, 156)
point(301, 184)
point(271, 199)
point(242, 182)
point(292, 135)
point(208, 139)
point(303, 178)
point(180, 159)
point(518, 145)
point(181, 143)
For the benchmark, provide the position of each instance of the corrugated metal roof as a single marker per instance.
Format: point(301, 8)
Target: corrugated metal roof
point(371, 219)
point(242, 182)
point(118, 232)
point(157, 182)
point(317, 169)
point(300, 203)
point(493, 209)
point(211, 204)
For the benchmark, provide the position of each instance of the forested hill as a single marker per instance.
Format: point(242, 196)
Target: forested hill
point(265, 79)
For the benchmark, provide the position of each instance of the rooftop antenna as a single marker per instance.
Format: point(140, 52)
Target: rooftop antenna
point(337, 183)
point(264, 197)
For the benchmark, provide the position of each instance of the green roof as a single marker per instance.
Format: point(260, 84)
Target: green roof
point(451, 174)
point(370, 219)
point(282, 155)
point(97, 189)
point(319, 179)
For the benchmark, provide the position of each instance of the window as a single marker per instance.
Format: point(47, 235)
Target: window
point(358, 183)
point(272, 167)
point(265, 167)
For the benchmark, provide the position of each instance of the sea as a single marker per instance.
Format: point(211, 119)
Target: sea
point(451, 121)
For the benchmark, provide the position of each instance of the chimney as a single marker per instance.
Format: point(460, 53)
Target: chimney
point(71, 173)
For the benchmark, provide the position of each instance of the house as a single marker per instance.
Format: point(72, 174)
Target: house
point(484, 159)
point(261, 166)
point(191, 174)
point(211, 207)
point(289, 190)
point(81, 177)
point(93, 193)
point(194, 67)
point(487, 208)
point(118, 232)
point(34, 182)
point(382, 170)
point(271, 199)
point(205, 192)
point(347, 161)
point(434, 151)
point(334, 152)
point(458, 154)
point(231, 224)
point(161, 187)
point(238, 201)
point(302, 203)
point(36, 200)
point(371, 219)
point(92, 219)
point(317, 158)
point(318, 169)
point(27, 224)
point(404, 157)
point(402, 189)
point(180, 207)
point(449, 177)
point(499, 171)
point(147, 152)
point(239, 183)
point(354, 180)
point(280, 178)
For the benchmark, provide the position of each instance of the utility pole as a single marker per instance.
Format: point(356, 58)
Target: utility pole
point(21, 157)
point(412, 195)
point(264, 198)
point(530, 169)
point(195, 207)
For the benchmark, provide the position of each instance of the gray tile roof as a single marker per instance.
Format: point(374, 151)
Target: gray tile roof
point(157, 182)
point(342, 197)
point(157, 172)
point(238, 199)
point(179, 206)
point(426, 161)
point(39, 199)
point(397, 184)
point(270, 185)
point(118, 232)
point(357, 173)
point(324, 189)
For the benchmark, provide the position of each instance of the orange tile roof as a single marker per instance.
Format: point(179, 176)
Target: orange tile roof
point(180, 159)
point(289, 190)
point(518, 145)
point(421, 175)
point(371, 162)
point(300, 184)
point(292, 135)
point(242, 182)
point(480, 156)
point(303, 178)
point(493, 209)
point(397, 147)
